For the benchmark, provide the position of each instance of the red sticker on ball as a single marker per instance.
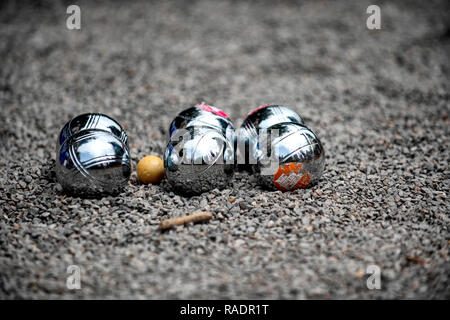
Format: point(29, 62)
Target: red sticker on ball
point(291, 176)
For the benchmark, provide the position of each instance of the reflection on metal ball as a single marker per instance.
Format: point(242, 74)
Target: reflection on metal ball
point(92, 155)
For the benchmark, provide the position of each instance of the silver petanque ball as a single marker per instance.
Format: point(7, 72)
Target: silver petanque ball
point(200, 154)
point(92, 156)
point(294, 159)
point(288, 154)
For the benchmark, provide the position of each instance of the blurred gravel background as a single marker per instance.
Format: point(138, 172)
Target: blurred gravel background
point(379, 100)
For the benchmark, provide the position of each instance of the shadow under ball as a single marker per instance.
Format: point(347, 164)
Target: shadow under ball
point(92, 156)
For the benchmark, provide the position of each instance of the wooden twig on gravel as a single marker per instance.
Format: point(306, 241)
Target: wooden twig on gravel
point(196, 217)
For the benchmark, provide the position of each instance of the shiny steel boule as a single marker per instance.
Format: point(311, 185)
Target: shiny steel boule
point(293, 157)
point(92, 156)
point(200, 154)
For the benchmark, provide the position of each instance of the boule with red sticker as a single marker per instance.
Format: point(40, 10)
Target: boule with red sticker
point(290, 157)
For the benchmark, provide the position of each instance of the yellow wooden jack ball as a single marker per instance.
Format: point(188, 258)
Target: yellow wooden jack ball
point(150, 169)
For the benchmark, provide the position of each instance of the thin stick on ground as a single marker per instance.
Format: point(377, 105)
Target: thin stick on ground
point(196, 217)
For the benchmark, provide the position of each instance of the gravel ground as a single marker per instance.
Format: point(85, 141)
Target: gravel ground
point(379, 100)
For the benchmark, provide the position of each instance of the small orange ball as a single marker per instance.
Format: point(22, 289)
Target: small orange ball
point(150, 169)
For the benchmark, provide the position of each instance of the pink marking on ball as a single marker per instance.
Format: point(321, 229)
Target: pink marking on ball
point(259, 108)
point(212, 109)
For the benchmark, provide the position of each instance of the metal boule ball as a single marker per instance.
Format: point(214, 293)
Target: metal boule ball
point(200, 154)
point(93, 157)
point(295, 159)
point(283, 153)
